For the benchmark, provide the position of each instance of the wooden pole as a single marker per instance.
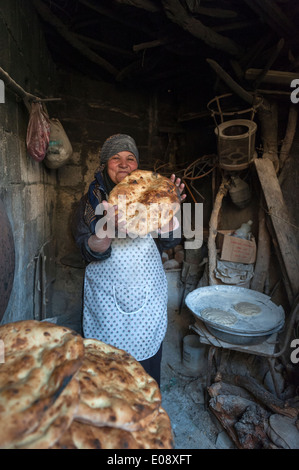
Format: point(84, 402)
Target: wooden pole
point(213, 224)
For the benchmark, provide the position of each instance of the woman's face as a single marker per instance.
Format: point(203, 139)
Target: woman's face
point(120, 165)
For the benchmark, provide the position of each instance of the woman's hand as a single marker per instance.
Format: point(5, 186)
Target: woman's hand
point(108, 228)
point(180, 186)
point(174, 223)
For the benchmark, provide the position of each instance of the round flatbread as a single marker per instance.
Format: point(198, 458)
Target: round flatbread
point(146, 200)
point(247, 308)
point(115, 390)
point(156, 435)
point(221, 317)
point(56, 420)
point(41, 360)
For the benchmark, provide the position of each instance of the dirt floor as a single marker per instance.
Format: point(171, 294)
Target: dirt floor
point(183, 393)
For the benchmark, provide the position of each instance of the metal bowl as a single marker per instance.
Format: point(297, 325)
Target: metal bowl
point(241, 340)
point(247, 329)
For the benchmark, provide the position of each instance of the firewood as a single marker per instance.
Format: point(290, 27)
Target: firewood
point(223, 388)
point(244, 420)
point(262, 395)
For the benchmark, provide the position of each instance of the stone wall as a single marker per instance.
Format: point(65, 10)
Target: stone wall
point(40, 202)
point(27, 188)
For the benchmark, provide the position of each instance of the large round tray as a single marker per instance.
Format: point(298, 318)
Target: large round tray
point(269, 320)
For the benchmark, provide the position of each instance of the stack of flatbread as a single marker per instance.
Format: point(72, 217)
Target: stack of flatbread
point(60, 391)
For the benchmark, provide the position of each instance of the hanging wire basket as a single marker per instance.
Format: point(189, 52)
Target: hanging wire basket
point(235, 131)
point(228, 106)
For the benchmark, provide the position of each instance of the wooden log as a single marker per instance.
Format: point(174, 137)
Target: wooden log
point(261, 394)
point(234, 86)
point(222, 388)
point(175, 11)
point(284, 230)
point(263, 253)
point(212, 12)
point(150, 44)
point(143, 4)
point(243, 419)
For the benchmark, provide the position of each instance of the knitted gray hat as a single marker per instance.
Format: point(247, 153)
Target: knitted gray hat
point(118, 143)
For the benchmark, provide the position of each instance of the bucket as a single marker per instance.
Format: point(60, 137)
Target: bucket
point(193, 353)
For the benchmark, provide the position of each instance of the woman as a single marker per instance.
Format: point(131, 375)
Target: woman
point(125, 287)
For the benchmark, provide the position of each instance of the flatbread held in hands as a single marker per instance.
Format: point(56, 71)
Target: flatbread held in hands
point(146, 200)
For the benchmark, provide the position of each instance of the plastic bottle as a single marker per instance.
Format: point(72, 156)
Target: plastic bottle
point(239, 192)
point(244, 231)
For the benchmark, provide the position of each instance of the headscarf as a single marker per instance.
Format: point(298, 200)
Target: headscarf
point(101, 186)
point(118, 143)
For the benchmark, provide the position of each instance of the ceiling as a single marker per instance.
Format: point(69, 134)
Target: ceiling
point(165, 44)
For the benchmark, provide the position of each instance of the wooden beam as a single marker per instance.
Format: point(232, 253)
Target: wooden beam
point(175, 11)
point(276, 16)
point(277, 77)
point(234, 86)
point(270, 13)
point(102, 10)
point(253, 52)
point(104, 46)
point(143, 4)
point(212, 12)
point(268, 117)
point(213, 227)
point(283, 228)
point(262, 263)
point(271, 59)
point(150, 44)
point(235, 25)
point(289, 135)
point(56, 23)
